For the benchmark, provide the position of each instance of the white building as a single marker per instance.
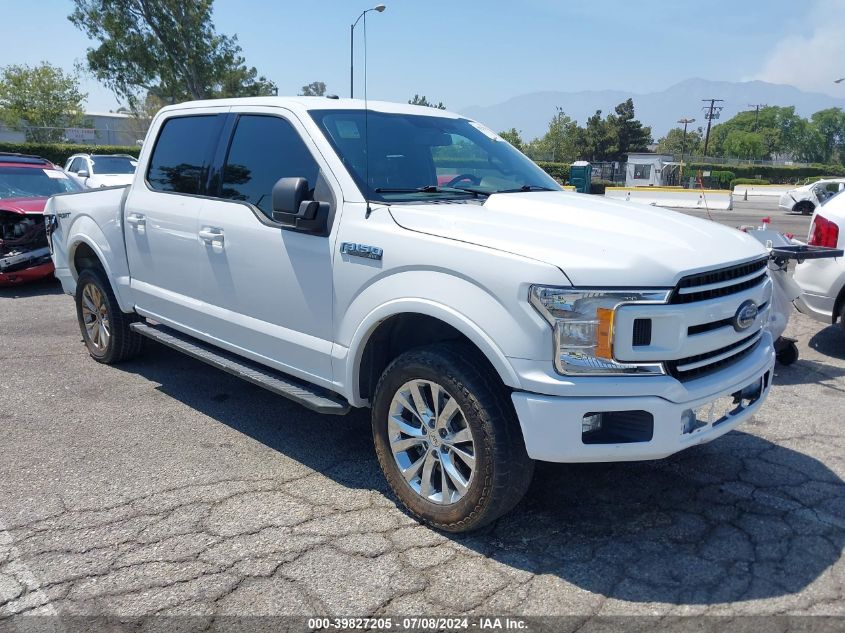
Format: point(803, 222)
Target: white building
point(645, 169)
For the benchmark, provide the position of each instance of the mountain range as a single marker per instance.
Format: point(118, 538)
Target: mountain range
point(531, 113)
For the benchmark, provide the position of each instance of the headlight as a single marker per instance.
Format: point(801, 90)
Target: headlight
point(583, 320)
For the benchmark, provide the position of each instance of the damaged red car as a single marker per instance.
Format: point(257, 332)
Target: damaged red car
point(25, 184)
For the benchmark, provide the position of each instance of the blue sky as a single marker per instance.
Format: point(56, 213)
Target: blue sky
point(467, 52)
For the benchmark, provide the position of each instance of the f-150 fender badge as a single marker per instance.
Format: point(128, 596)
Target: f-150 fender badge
point(361, 250)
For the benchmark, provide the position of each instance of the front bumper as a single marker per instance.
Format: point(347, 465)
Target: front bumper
point(552, 425)
point(33, 273)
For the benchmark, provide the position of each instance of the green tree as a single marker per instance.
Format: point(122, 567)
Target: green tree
point(314, 89)
point(598, 140)
point(627, 133)
point(828, 130)
point(780, 129)
point(741, 144)
point(513, 137)
point(35, 98)
point(562, 142)
point(420, 100)
point(673, 142)
point(168, 48)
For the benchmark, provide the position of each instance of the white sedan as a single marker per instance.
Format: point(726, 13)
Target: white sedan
point(822, 281)
point(101, 170)
point(807, 198)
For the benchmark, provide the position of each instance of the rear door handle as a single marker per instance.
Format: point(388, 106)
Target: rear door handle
point(136, 219)
point(211, 235)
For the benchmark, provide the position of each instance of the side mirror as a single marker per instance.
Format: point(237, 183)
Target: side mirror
point(83, 173)
point(293, 207)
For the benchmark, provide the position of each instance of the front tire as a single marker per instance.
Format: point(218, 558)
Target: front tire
point(447, 438)
point(805, 208)
point(105, 328)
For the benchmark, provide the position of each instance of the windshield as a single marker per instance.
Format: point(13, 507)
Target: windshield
point(414, 157)
point(114, 164)
point(31, 182)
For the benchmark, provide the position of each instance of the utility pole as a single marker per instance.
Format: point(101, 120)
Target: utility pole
point(756, 107)
point(686, 122)
point(557, 131)
point(710, 112)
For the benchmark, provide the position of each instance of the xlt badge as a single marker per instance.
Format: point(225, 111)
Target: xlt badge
point(361, 250)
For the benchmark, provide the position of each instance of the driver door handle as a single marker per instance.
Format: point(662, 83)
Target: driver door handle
point(136, 219)
point(211, 235)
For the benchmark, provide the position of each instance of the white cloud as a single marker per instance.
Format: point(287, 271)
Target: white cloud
point(814, 56)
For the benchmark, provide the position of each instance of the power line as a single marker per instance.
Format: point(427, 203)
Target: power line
point(711, 112)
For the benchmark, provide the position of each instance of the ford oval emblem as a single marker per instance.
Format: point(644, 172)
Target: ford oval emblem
point(745, 315)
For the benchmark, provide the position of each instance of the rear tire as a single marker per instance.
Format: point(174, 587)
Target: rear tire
point(105, 328)
point(448, 439)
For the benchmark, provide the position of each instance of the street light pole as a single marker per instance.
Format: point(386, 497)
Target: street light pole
point(378, 8)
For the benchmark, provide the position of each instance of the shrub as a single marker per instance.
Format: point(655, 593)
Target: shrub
point(598, 186)
point(558, 171)
point(813, 179)
point(722, 178)
point(58, 153)
point(776, 174)
point(748, 181)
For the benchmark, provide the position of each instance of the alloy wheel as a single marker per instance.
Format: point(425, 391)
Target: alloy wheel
point(95, 318)
point(431, 442)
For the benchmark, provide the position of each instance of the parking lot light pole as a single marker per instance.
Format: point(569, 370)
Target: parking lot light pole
point(378, 8)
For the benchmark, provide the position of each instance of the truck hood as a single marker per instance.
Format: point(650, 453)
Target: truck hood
point(23, 205)
point(593, 240)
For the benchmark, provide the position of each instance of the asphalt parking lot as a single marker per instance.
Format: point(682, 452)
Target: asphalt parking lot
point(162, 486)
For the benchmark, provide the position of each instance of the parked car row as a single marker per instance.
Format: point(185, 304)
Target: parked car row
point(26, 182)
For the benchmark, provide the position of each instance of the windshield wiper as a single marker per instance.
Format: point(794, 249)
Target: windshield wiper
point(526, 188)
point(428, 189)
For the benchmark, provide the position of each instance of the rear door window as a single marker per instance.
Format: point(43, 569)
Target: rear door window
point(264, 149)
point(182, 153)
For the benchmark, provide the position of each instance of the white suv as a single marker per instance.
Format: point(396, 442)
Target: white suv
point(402, 258)
point(101, 170)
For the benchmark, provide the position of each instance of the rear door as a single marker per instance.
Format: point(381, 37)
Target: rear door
point(161, 219)
point(268, 290)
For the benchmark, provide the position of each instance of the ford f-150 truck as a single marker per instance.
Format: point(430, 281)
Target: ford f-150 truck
point(410, 260)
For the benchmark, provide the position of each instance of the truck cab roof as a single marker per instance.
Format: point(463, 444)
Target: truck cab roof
point(305, 104)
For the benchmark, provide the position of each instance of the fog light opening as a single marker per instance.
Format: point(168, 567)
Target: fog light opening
point(617, 427)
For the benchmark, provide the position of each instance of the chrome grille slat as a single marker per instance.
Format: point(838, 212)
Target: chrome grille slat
point(723, 284)
point(731, 351)
point(719, 283)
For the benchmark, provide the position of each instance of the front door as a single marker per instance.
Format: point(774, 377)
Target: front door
point(267, 290)
point(161, 219)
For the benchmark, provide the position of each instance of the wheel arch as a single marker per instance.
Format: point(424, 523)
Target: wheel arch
point(84, 252)
point(406, 324)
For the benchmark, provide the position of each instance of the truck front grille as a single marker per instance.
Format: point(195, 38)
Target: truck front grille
point(720, 283)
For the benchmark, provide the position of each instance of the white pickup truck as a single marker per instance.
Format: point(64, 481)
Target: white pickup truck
point(410, 260)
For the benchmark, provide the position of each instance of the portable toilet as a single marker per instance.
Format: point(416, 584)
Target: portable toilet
point(580, 176)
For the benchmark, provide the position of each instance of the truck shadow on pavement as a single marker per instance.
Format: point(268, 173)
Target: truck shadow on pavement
point(39, 288)
point(741, 519)
point(830, 341)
